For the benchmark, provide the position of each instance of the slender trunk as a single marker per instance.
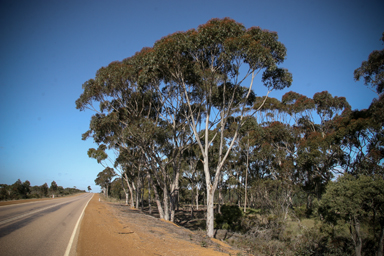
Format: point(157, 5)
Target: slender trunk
point(126, 198)
point(192, 198)
point(125, 190)
point(210, 213)
point(204, 198)
point(220, 194)
point(174, 196)
point(149, 194)
point(130, 190)
point(355, 224)
point(172, 209)
point(220, 200)
point(165, 202)
point(138, 192)
point(157, 200)
point(178, 200)
point(192, 194)
point(125, 193)
point(238, 191)
point(132, 197)
point(197, 199)
point(246, 178)
point(142, 195)
point(137, 196)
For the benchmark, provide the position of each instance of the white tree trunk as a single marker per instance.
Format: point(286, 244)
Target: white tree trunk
point(246, 178)
point(130, 191)
point(149, 194)
point(210, 214)
point(158, 203)
point(197, 199)
point(132, 197)
point(174, 196)
point(166, 202)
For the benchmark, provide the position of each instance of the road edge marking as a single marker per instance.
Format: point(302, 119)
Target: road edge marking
point(69, 246)
point(6, 221)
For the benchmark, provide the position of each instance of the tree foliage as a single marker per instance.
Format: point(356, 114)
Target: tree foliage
point(180, 122)
point(355, 200)
point(372, 70)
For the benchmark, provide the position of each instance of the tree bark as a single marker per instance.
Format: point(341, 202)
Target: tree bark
point(246, 178)
point(149, 194)
point(158, 203)
point(165, 201)
point(356, 235)
point(131, 192)
point(197, 199)
point(133, 197)
point(210, 212)
point(174, 195)
point(129, 188)
point(126, 198)
point(137, 193)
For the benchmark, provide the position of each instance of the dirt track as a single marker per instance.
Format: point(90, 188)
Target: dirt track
point(112, 229)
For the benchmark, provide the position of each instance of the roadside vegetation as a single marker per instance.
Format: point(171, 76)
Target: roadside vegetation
point(24, 190)
point(183, 136)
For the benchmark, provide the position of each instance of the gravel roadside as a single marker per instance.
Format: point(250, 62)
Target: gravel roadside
point(114, 229)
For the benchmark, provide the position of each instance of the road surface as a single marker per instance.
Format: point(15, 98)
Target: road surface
point(41, 227)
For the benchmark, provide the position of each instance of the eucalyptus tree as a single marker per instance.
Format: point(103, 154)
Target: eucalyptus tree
point(193, 173)
point(124, 118)
point(53, 187)
point(300, 144)
point(44, 189)
point(208, 63)
point(105, 160)
point(172, 134)
point(363, 132)
point(358, 201)
point(318, 150)
point(194, 78)
point(18, 190)
point(104, 179)
point(362, 135)
point(137, 113)
point(372, 71)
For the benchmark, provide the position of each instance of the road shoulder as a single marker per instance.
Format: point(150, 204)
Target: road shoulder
point(108, 229)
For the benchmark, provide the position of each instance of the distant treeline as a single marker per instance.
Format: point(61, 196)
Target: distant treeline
point(24, 190)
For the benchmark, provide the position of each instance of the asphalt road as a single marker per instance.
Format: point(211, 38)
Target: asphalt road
point(42, 227)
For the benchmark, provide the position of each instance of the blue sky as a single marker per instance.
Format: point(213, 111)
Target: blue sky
point(48, 49)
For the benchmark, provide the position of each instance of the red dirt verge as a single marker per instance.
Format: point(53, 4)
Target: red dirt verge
point(114, 229)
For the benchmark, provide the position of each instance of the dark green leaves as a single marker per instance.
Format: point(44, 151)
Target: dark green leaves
point(277, 79)
point(372, 70)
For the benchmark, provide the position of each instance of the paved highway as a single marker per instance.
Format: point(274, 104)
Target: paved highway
point(43, 227)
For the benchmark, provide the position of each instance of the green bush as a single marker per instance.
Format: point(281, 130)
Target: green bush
point(229, 218)
point(301, 211)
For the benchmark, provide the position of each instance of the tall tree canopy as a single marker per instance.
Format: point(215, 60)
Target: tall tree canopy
point(372, 70)
point(185, 88)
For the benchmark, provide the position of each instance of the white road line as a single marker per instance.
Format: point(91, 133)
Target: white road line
point(30, 213)
point(39, 201)
point(75, 230)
